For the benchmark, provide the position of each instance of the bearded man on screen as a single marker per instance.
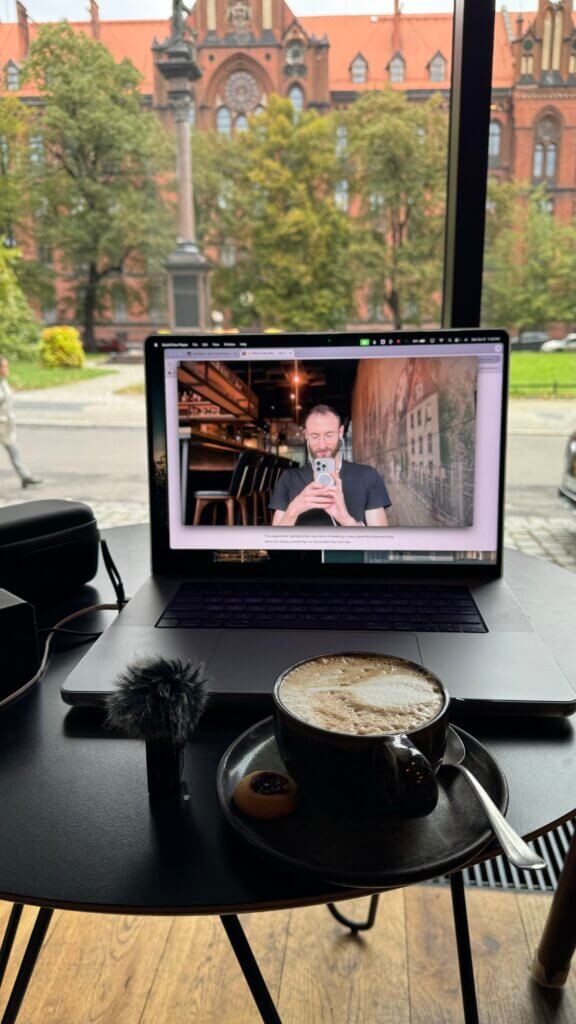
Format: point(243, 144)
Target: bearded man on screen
point(357, 498)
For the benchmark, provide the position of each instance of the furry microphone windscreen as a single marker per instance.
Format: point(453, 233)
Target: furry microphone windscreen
point(158, 699)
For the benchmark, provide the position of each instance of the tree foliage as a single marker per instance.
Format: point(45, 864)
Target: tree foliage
point(100, 193)
point(395, 162)
point(530, 260)
point(269, 193)
point(19, 329)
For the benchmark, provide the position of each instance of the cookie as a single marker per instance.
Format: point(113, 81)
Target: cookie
point(266, 794)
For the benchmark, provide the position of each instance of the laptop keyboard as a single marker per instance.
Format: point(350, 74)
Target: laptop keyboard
point(414, 608)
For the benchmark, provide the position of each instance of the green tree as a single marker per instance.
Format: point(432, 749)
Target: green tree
point(19, 329)
point(15, 183)
point(101, 194)
point(529, 260)
point(269, 193)
point(395, 161)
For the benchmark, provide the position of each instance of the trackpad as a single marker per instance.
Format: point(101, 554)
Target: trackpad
point(248, 662)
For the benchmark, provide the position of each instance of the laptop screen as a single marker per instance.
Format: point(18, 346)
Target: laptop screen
point(376, 448)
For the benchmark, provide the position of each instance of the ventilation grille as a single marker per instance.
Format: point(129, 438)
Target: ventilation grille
point(498, 873)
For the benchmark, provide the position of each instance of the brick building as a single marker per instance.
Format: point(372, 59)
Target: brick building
point(249, 49)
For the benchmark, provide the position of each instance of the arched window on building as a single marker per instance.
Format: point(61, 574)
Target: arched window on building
point(241, 123)
point(12, 77)
point(296, 97)
point(572, 60)
point(495, 140)
point(223, 121)
point(341, 141)
point(359, 70)
point(437, 68)
point(550, 168)
point(546, 146)
point(397, 69)
point(342, 196)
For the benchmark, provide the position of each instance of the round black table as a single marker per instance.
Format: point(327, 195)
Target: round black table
point(78, 832)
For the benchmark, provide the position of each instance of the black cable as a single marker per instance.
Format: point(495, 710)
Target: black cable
point(115, 577)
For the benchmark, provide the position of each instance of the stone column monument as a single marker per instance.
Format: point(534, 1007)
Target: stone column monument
point(188, 270)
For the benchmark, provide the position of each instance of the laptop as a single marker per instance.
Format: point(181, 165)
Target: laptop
point(322, 493)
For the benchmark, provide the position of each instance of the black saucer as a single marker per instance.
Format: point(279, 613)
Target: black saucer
point(369, 852)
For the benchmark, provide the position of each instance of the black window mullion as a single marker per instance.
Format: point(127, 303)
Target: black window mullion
point(472, 53)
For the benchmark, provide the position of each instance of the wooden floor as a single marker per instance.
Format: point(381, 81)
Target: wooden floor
point(136, 970)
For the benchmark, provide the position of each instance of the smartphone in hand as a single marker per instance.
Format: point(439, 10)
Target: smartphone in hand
point(322, 470)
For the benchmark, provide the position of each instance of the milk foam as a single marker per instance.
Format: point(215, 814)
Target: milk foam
point(361, 695)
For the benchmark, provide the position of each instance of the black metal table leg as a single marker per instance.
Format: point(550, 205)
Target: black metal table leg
point(28, 964)
point(464, 951)
point(9, 936)
point(250, 969)
point(357, 926)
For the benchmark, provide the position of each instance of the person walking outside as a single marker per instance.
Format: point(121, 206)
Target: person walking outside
point(8, 427)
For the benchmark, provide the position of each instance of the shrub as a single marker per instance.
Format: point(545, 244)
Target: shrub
point(61, 346)
point(19, 328)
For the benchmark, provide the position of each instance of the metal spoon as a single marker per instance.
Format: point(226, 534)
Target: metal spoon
point(517, 851)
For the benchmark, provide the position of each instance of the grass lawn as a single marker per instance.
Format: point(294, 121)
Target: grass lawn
point(543, 374)
point(28, 376)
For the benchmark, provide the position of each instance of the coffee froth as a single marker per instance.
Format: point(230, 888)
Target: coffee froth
point(361, 694)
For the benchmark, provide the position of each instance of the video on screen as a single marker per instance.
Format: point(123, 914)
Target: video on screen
point(348, 443)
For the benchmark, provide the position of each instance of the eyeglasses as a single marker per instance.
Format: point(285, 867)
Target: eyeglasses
point(330, 436)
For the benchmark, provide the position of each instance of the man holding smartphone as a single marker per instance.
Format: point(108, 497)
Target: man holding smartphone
point(357, 495)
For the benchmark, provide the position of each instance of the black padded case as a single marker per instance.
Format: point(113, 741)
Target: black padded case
point(47, 548)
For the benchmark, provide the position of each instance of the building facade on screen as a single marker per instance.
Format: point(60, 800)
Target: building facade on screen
point(251, 49)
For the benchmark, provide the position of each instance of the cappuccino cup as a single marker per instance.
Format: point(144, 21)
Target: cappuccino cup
point(362, 733)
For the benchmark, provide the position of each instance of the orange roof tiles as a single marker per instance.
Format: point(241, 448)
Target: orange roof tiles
point(124, 39)
point(417, 36)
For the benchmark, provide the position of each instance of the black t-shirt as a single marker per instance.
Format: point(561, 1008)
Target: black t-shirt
point(362, 486)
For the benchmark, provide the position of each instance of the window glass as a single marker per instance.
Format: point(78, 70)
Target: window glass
point(530, 263)
point(296, 97)
point(437, 69)
point(359, 70)
point(495, 139)
point(223, 121)
point(308, 222)
point(397, 68)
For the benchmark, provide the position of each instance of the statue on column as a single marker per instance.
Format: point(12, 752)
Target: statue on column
point(179, 15)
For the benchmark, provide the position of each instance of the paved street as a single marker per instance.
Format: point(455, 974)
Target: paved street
point(88, 443)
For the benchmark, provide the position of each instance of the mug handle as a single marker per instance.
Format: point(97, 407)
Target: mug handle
point(404, 776)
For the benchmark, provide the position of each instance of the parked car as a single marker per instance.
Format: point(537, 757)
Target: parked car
point(568, 482)
point(567, 344)
point(529, 341)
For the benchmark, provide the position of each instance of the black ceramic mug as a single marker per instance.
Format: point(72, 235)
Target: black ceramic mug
point(351, 773)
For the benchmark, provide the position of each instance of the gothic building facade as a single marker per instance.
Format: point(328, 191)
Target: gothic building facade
point(249, 49)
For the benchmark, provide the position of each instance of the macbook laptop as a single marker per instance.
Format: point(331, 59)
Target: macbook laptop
point(312, 494)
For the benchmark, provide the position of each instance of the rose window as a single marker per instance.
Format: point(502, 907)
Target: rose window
point(242, 91)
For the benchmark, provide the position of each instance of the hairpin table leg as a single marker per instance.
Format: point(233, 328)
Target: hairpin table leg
point(28, 964)
point(250, 969)
point(464, 952)
point(357, 926)
point(9, 936)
